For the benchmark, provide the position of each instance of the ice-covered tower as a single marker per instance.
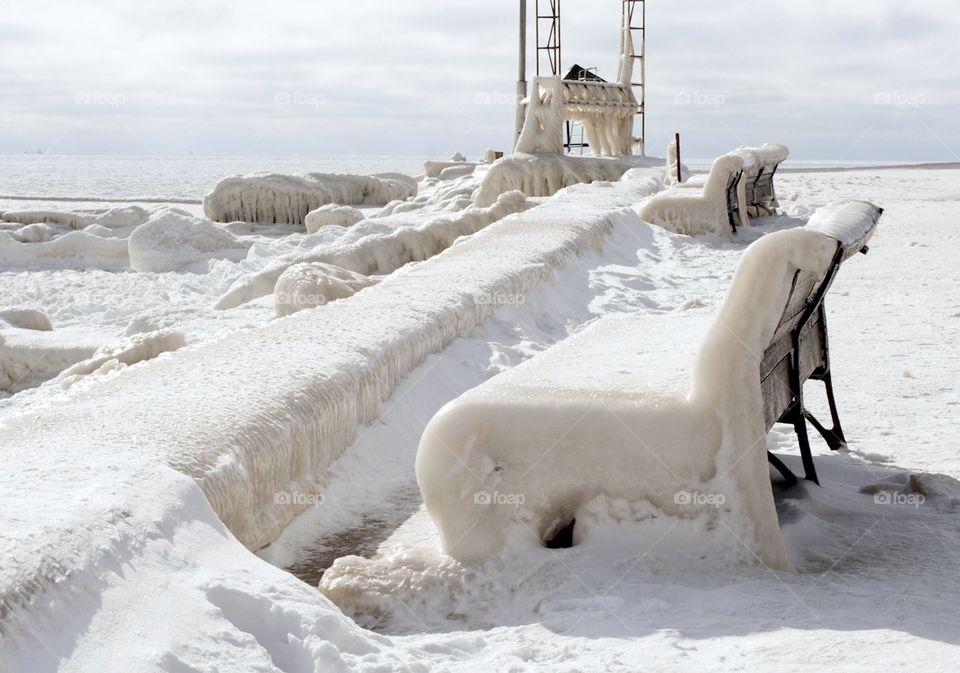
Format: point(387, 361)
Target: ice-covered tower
point(608, 112)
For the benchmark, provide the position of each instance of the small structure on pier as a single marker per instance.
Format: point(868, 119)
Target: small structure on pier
point(581, 109)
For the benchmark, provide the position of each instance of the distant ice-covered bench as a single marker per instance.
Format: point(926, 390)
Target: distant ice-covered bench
point(670, 410)
point(757, 196)
point(738, 187)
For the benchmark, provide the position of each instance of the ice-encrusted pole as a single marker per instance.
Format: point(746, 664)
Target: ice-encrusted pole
point(522, 75)
point(676, 139)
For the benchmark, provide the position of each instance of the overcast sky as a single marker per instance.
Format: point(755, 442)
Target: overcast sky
point(840, 80)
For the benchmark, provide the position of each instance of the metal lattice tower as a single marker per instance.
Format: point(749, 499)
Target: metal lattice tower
point(635, 21)
point(548, 37)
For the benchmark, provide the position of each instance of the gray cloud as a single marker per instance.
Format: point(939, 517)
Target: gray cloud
point(410, 77)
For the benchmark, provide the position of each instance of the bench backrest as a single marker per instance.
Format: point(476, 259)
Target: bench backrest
point(799, 343)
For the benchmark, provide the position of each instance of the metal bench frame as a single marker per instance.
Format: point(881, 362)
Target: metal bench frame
point(733, 202)
point(800, 351)
point(761, 197)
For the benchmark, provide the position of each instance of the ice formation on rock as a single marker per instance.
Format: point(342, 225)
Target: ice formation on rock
point(75, 249)
point(546, 174)
point(111, 218)
point(519, 456)
point(435, 169)
point(26, 318)
point(382, 252)
point(289, 198)
point(173, 240)
point(132, 350)
point(37, 232)
point(28, 357)
point(313, 284)
point(691, 211)
point(331, 215)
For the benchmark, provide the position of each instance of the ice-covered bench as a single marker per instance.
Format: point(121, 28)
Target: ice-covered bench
point(800, 349)
point(669, 410)
point(750, 193)
point(755, 191)
point(692, 209)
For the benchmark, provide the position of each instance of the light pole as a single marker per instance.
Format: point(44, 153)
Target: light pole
point(522, 77)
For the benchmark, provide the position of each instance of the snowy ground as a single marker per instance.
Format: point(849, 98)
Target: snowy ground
point(877, 579)
point(877, 584)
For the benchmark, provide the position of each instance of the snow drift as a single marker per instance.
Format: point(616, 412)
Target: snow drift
point(289, 198)
point(173, 239)
point(522, 454)
point(380, 253)
point(313, 284)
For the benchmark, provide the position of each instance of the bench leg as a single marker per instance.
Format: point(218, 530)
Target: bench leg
point(788, 475)
point(834, 436)
point(800, 426)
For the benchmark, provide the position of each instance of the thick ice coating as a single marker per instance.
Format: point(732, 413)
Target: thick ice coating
point(694, 212)
point(288, 198)
point(521, 454)
point(173, 240)
point(380, 252)
point(314, 284)
point(547, 174)
point(331, 215)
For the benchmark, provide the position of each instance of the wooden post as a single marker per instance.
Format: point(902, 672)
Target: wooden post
point(679, 170)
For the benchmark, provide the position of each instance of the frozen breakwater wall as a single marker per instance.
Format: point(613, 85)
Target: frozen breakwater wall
point(264, 411)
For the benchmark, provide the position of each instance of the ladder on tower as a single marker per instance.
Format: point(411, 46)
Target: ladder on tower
point(548, 37)
point(635, 22)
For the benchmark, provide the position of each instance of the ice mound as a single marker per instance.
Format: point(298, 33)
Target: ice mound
point(276, 198)
point(450, 195)
point(546, 174)
point(447, 170)
point(694, 212)
point(331, 215)
point(75, 249)
point(30, 357)
point(38, 232)
point(111, 218)
point(313, 284)
point(26, 318)
point(132, 350)
point(381, 252)
point(173, 240)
